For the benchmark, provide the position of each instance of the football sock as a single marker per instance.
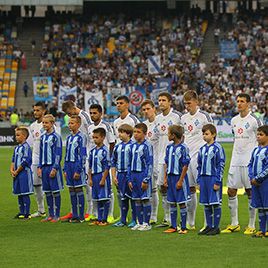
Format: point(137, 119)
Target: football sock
point(50, 204)
point(139, 212)
point(21, 204)
point(173, 215)
point(124, 210)
point(39, 195)
point(111, 206)
point(133, 210)
point(165, 207)
point(252, 215)
point(191, 209)
point(155, 201)
point(57, 200)
point(266, 214)
point(262, 220)
point(100, 206)
point(147, 209)
point(217, 215)
point(106, 208)
point(95, 208)
point(208, 212)
point(183, 212)
point(26, 202)
point(89, 199)
point(233, 206)
point(81, 204)
point(73, 198)
point(119, 199)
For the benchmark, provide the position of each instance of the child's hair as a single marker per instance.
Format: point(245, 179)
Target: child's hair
point(209, 127)
point(190, 95)
point(67, 105)
point(244, 95)
point(77, 118)
point(50, 117)
point(127, 129)
point(123, 97)
point(142, 126)
point(263, 129)
point(101, 131)
point(96, 106)
point(23, 130)
point(165, 94)
point(176, 130)
point(147, 101)
point(41, 104)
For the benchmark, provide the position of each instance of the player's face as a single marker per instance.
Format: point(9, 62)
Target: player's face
point(20, 138)
point(262, 139)
point(138, 134)
point(164, 103)
point(98, 139)
point(73, 125)
point(38, 112)
point(70, 111)
point(148, 111)
point(208, 136)
point(47, 125)
point(191, 105)
point(242, 104)
point(122, 106)
point(95, 115)
point(123, 136)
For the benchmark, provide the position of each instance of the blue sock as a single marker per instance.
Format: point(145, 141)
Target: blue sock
point(26, 202)
point(173, 215)
point(124, 210)
point(183, 212)
point(139, 212)
point(262, 220)
point(50, 205)
point(21, 205)
point(208, 213)
point(100, 205)
point(147, 209)
point(73, 198)
point(81, 202)
point(57, 203)
point(133, 210)
point(217, 215)
point(106, 210)
point(266, 214)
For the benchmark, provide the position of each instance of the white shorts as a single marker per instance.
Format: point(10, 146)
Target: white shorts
point(238, 178)
point(37, 181)
point(155, 178)
point(192, 171)
point(160, 176)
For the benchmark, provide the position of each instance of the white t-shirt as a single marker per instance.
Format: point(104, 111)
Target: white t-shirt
point(193, 136)
point(161, 130)
point(244, 130)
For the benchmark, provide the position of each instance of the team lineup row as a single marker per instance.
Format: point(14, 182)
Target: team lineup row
point(172, 152)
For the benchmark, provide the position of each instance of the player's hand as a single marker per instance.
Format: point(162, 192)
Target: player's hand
point(216, 187)
point(13, 174)
point(39, 172)
point(254, 182)
point(165, 183)
point(102, 182)
point(179, 185)
point(144, 186)
point(53, 173)
point(76, 176)
point(130, 186)
point(197, 187)
point(65, 175)
point(90, 182)
point(115, 182)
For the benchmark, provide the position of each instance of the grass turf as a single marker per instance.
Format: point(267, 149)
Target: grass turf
point(34, 244)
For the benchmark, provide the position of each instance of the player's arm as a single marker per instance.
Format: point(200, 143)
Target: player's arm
point(81, 158)
point(165, 168)
point(111, 138)
point(199, 166)
point(39, 168)
point(12, 171)
point(185, 162)
point(129, 168)
point(58, 155)
point(113, 166)
point(148, 161)
point(26, 160)
point(220, 162)
point(263, 175)
point(106, 164)
point(182, 176)
point(250, 167)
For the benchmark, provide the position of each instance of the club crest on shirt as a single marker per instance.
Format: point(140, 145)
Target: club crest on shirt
point(149, 134)
point(247, 125)
point(163, 128)
point(196, 122)
point(170, 123)
point(190, 128)
point(240, 131)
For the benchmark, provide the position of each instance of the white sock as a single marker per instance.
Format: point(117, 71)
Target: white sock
point(111, 208)
point(155, 201)
point(165, 207)
point(191, 209)
point(39, 195)
point(205, 220)
point(233, 206)
point(95, 208)
point(89, 199)
point(252, 215)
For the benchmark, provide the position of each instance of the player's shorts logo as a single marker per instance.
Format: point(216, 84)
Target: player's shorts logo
point(240, 131)
point(190, 128)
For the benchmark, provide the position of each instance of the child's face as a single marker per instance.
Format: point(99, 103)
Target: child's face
point(98, 139)
point(123, 136)
point(191, 105)
point(20, 137)
point(208, 136)
point(170, 136)
point(73, 125)
point(262, 139)
point(139, 135)
point(95, 115)
point(47, 125)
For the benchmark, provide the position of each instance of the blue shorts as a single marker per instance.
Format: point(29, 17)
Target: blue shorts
point(173, 194)
point(23, 183)
point(70, 169)
point(137, 193)
point(51, 184)
point(100, 193)
point(260, 195)
point(123, 188)
point(208, 196)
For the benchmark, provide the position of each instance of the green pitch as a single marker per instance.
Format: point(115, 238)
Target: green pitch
point(34, 244)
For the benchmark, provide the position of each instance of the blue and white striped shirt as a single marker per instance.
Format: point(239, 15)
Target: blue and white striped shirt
point(99, 159)
point(177, 156)
point(120, 157)
point(22, 156)
point(258, 165)
point(50, 150)
point(76, 150)
point(141, 159)
point(211, 161)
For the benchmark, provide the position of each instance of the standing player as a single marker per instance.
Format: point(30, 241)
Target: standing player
point(95, 111)
point(20, 170)
point(149, 112)
point(193, 121)
point(36, 130)
point(70, 109)
point(168, 117)
point(244, 126)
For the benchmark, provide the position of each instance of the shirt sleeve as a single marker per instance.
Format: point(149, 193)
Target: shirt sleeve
point(263, 175)
point(26, 160)
point(250, 166)
point(220, 162)
point(40, 153)
point(148, 161)
point(82, 155)
point(114, 157)
point(106, 162)
point(58, 152)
